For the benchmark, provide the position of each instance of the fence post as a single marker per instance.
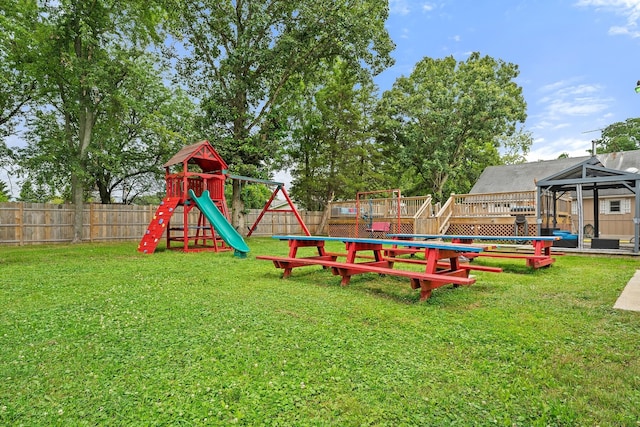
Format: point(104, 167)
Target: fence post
point(20, 224)
point(92, 221)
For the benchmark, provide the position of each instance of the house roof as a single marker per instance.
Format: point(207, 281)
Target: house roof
point(520, 177)
point(524, 176)
point(202, 154)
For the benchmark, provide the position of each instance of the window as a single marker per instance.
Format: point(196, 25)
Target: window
point(615, 206)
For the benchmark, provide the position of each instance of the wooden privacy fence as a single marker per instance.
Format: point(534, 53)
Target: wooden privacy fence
point(36, 223)
point(273, 223)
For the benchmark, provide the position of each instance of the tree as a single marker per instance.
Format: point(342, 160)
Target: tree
point(332, 150)
point(148, 124)
point(84, 52)
point(254, 196)
point(138, 132)
point(4, 192)
point(17, 87)
point(515, 146)
point(620, 136)
point(37, 193)
point(242, 55)
point(444, 123)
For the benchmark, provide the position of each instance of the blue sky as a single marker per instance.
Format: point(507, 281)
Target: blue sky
point(579, 60)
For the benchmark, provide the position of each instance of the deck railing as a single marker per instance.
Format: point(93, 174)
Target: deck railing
point(410, 207)
point(507, 204)
point(444, 215)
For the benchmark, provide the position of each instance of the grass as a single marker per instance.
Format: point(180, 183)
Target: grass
point(102, 335)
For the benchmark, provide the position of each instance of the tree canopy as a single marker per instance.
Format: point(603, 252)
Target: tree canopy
point(4, 192)
point(109, 89)
point(620, 136)
point(84, 52)
point(17, 86)
point(445, 122)
point(242, 56)
point(332, 150)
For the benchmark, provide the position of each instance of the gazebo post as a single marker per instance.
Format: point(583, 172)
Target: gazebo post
point(539, 213)
point(596, 212)
point(636, 220)
point(555, 209)
point(580, 216)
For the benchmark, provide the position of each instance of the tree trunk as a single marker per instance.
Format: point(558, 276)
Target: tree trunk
point(105, 194)
point(237, 209)
point(77, 198)
point(85, 130)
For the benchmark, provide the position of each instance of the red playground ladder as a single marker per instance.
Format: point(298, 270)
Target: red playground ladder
point(157, 225)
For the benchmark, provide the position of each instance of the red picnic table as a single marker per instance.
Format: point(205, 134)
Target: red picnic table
point(436, 273)
point(541, 256)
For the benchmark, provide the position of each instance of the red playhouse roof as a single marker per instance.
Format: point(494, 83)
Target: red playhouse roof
point(202, 154)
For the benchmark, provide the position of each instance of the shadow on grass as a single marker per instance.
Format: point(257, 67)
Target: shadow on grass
point(510, 266)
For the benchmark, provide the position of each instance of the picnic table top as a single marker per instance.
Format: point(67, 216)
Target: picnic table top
point(411, 243)
point(472, 237)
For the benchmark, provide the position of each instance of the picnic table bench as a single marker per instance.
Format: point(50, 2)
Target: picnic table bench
point(435, 274)
point(541, 256)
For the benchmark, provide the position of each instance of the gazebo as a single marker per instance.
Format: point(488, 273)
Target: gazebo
point(590, 175)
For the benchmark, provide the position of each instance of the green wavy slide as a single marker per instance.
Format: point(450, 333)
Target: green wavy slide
point(220, 223)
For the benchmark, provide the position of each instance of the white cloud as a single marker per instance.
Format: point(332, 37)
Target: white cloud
point(624, 31)
point(565, 99)
point(564, 88)
point(575, 107)
point(428, 7)
point(567, 108)
point(575, 147)
point(554, 86)
point(399, 7)
point(403, 7)
point(630, 9)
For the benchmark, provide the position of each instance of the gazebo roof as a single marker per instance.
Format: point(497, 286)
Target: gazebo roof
point(590, 174)
point(202, 154)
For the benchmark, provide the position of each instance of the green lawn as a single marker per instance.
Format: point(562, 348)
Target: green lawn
point(101, 335)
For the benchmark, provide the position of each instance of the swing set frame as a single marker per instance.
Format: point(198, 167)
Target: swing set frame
point(279, 187)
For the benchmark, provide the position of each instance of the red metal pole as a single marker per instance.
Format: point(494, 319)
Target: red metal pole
point(295, 212)
point(293, 209)
point(264, 209)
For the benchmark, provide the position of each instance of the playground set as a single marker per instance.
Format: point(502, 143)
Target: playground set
point(200, 184)
point(198, 181)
